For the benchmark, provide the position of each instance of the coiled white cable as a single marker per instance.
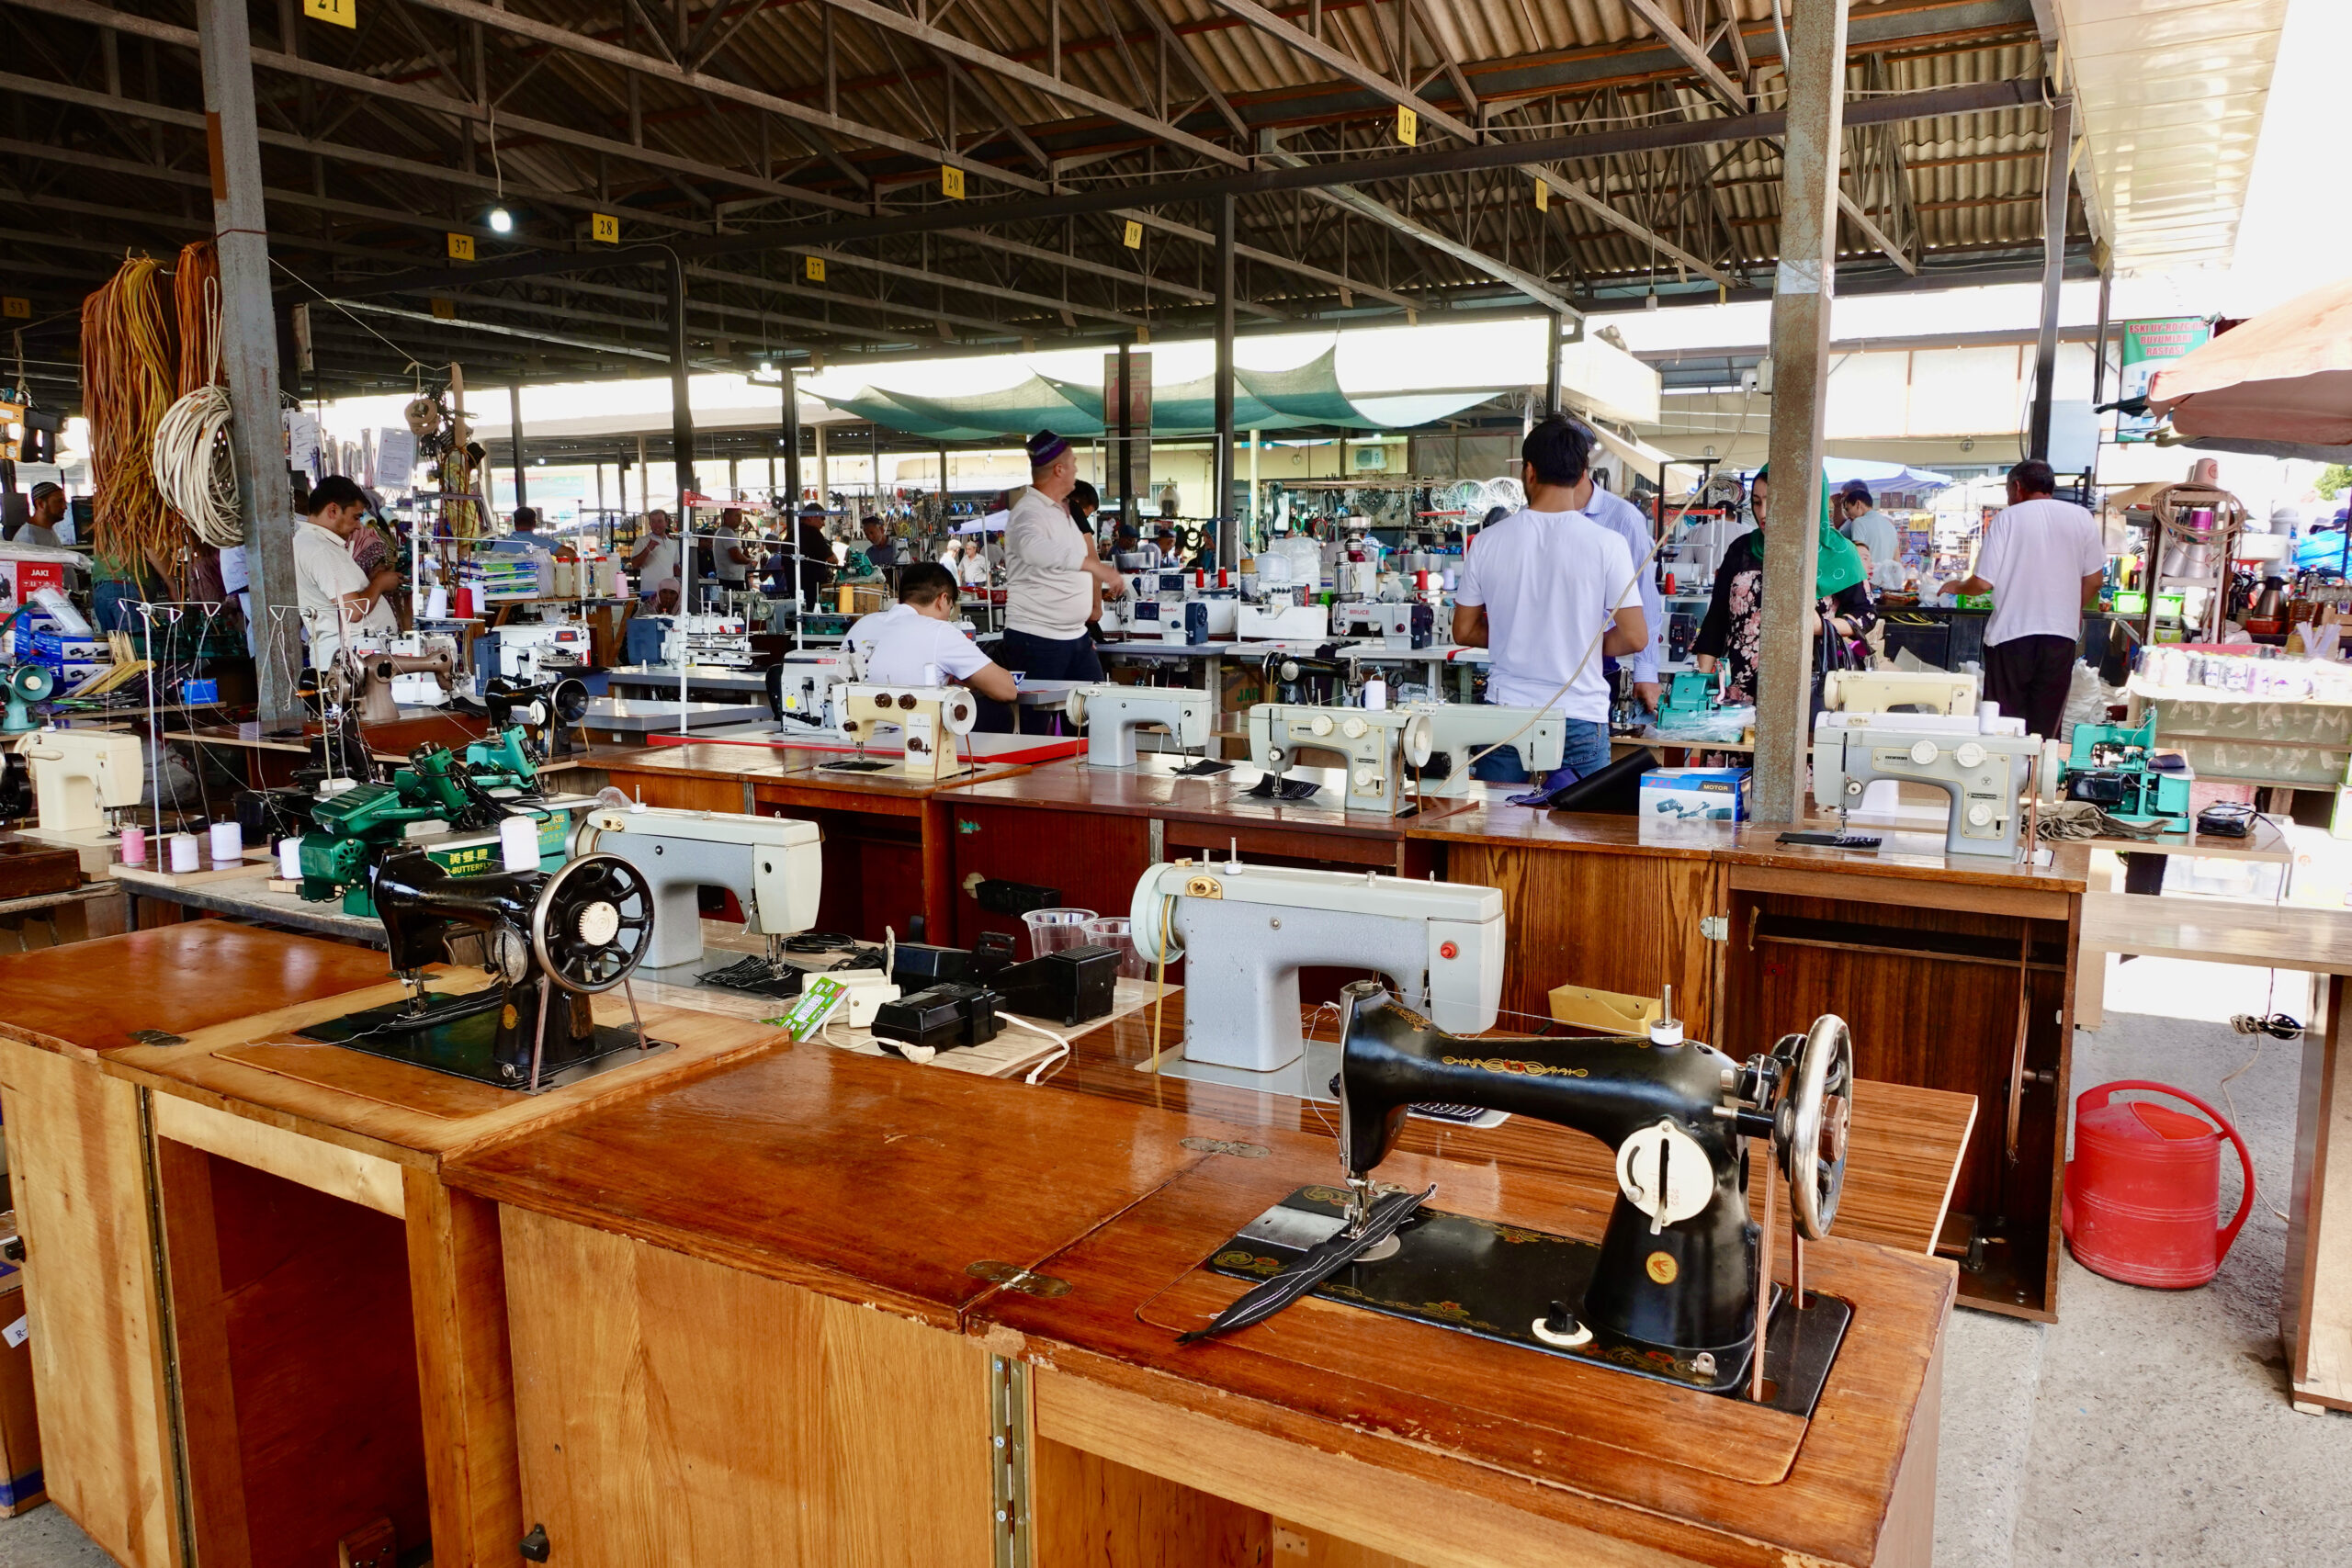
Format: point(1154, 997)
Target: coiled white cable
point(193, 468)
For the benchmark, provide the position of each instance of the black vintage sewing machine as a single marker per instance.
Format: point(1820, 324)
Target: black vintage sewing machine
point(1681, 1278)
point(552, 941)
point(549, 713)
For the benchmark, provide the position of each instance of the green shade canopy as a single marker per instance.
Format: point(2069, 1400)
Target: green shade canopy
point(1262, 399)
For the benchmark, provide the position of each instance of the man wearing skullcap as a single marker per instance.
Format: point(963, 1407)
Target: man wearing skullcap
point(1050, 572)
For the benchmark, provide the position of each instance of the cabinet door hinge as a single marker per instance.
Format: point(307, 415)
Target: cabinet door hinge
point(1009, 1461)
point(1716, 927)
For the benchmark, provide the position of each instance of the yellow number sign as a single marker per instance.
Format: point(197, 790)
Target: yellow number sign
point(461, 247)
point(951, 181)
point(605, 228)
point(1134, 235)
point(814, 267)
point(1408, 126)
point(342, 12)
point(445, 310)
point(17, 307)
point(1543, 197)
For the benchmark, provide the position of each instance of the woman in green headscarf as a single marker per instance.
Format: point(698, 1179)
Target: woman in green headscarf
point(1732, 634)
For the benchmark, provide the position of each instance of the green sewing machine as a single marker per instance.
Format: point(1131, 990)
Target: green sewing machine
point(2117, 768)
point(457, 801)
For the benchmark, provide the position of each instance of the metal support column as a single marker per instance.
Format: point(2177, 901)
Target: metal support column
point(1552, 365)
point(1802, 287)
point(2099, 341)
point(1127, 511)
point(1228, 525)
point(682, 410)
point(2055, 190)
point(824, 480)
point(249, 351)
point(514, 428)
point(644, 481)
point(790, 441)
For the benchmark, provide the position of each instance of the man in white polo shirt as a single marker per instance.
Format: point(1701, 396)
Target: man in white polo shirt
point(2042, 561)
point(1050, 571)
point(1546, 591)
point(917, 643)
point(338, 601)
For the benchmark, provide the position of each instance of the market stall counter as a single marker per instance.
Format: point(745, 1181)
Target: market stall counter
point(852, 1300)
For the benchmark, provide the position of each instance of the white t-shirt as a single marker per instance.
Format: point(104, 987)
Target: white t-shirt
point(1551, 582)
point(2036, 555)
point(324, 570)
point(1048, 593)
point(903, 647)
point(660, 563)
point(730, 571)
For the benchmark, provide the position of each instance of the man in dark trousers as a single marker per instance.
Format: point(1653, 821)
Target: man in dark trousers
point(2042, 561)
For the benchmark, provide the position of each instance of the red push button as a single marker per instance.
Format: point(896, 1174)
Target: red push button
point(1447, 950)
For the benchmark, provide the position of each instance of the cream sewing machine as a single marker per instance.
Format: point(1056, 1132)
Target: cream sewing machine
point(1246, 931)
point(1459, 731)
point(774, 866)
point(371, 682)
point(1887, 691)
point(1111, 715)
point(1982, 765)
point(1375, 745)
point(1283, 623)
point(928, 720)
point(81, 775)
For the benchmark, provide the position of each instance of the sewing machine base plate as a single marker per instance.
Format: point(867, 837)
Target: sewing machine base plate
point(457, 1036)
point(1495, 1280)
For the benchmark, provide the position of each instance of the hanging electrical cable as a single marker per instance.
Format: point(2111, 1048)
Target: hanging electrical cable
point(192, 462)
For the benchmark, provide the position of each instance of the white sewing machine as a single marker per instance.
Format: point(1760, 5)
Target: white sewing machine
point(927, 718)
point(708, 639)
point(1981, 765)
point(535, 654)
point(1459, 731)
point(1282, 623)
point(1246, 931)
point(1886, 691)
point(1375, 745)
point(774, 866)
point(1111, 715)
point(800, 689)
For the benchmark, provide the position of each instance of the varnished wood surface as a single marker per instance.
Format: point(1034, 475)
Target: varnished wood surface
point(90, 996)
point(1906, 1142)
point(1910, 856)
point(804, 769)
point(2274, 936)
point(258, 1066)
point(1072, 786)
point(866, 1179)
point(674, 1413)
point(1660, 1467)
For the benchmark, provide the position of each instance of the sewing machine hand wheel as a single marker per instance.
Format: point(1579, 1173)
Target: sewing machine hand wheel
point(1419, 740)
point(1814, 1109)
point(568, 700)
point(1074, 708)
point(591, 923)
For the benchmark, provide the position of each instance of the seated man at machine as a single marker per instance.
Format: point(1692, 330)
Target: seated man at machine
point(1547, 591)
point(916, 643)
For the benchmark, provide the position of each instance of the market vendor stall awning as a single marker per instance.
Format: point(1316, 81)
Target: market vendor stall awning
point(1307, 395)
point(2282, 379)
point(1885, 479)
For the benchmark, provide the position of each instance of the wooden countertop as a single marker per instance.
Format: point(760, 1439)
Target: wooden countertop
point(1151, 789)
point(802, 770)
point(1579, 1447)
point(2268, 936)
point(1915, 856)
point(88, 997)
point(868, 1179)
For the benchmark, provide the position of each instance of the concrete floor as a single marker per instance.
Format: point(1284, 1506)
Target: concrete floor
point(2147, 1427)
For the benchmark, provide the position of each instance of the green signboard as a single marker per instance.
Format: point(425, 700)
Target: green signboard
point(2149, 346)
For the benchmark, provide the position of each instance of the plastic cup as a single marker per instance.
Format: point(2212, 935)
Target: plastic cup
point(1050, 931)
point(1116, 931)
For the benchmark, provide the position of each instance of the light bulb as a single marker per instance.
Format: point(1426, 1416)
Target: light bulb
point(501, 220)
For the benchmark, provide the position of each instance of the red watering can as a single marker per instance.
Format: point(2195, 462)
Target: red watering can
point(2144, 1187)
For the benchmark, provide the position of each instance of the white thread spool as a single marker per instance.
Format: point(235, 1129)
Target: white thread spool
point(518, 843)
point(437, 603)
point(227, 842)
point(1375, 694)
point(289, 858)
point(186, 854)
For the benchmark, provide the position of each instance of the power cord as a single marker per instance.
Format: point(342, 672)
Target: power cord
point(2265, 1028)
